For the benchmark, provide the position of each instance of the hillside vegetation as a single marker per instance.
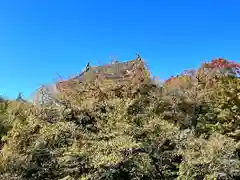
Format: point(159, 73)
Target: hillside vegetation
point(186, 129)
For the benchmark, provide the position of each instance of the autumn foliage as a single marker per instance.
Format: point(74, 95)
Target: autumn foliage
point(188, 128)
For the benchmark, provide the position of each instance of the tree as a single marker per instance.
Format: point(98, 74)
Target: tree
point(19, 97)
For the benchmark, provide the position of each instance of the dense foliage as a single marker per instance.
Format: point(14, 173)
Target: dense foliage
point(186, 129)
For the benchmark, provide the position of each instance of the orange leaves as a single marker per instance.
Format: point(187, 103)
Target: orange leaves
point(205, 73)
point(221, 63)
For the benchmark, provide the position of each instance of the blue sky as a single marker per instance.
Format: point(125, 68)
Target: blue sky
point(40, 39)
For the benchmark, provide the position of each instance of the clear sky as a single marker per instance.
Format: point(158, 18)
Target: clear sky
point(40, 39)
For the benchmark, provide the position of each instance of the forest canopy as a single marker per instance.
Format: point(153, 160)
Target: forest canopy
point(188, 128)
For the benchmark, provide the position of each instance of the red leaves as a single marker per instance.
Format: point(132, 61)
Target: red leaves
point(208, 69)
point(220, 63)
